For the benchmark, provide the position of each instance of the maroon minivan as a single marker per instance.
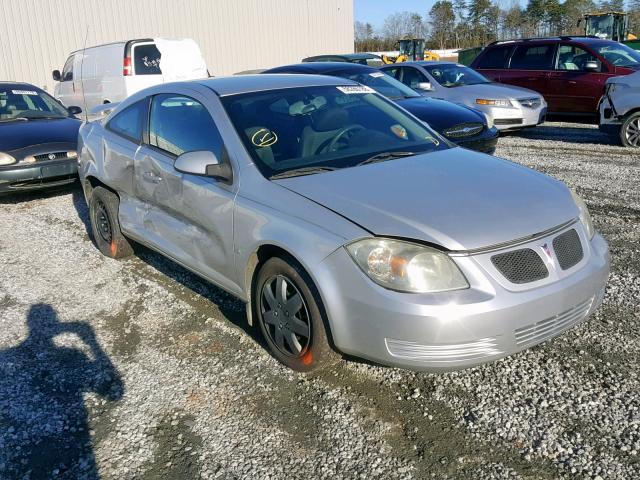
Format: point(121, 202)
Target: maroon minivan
point(570, 72)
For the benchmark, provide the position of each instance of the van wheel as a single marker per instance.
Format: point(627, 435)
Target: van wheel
point(287, 308)
point(630, 131)
point(103, 213)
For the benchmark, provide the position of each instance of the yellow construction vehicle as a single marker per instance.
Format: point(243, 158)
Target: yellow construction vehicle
point(609, 25)
point(411, 49)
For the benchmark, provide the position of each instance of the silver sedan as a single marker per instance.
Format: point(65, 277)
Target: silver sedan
point(344, 223)
point(508, 107)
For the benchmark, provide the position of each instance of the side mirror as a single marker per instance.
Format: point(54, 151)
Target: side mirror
point(74, 110)
point(206, 164)
point(592, 66)
point(426, 86)
point(56, 75)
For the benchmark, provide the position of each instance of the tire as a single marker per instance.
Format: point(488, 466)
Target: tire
point(297, 339)
point(630, 131)
point(103, 213)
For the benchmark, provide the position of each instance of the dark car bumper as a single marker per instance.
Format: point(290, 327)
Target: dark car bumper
point(485, 142)
point(36, 176)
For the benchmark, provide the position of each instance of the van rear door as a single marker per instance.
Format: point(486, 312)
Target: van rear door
point(144, 67)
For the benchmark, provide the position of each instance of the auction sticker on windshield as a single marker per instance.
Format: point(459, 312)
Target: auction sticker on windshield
point(377, 74)
point(24, 92)
point(351, 89)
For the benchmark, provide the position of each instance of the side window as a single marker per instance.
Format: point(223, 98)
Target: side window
point(393, 72)
point(146, 59)
point(496, 57)
point(181, 124)
point(411, 77)
point(533, 57)
point(571, 57)
point(67, 71)
point(128, 123)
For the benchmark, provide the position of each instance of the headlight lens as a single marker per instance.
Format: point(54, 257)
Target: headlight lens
point(6, 159)
point(494, 102)
point(406, 267)
point(585, 216)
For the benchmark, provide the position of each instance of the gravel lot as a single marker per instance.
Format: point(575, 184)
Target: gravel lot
point(138, 369)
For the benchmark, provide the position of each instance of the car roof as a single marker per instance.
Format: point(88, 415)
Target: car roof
point(6, 83)
point(256, 83)
point(323, 68)
point(572, 38)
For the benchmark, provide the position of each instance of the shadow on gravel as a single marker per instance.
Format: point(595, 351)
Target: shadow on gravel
point(569, 134)
point(80, 204)
point(44, 431)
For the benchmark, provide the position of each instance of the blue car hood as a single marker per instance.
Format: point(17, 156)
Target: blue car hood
point(456, 198)
point(440, 114)
point(17, 135)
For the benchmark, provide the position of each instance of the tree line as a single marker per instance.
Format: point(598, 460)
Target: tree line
point(471, 23)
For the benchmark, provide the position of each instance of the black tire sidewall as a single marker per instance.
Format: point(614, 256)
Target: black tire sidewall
point(119, 246)
point(623, 129)
point(319, 353)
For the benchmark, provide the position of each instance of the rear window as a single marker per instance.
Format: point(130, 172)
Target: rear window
point(533, 57)
point(496, 57)
point(146, 59)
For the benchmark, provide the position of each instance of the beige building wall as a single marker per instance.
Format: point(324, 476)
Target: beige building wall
point(234, 35)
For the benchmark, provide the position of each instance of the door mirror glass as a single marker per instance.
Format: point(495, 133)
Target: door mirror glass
point(592, 66)
point(56, 75)
point(74, 110)
point(204, 163)
point(426, 86)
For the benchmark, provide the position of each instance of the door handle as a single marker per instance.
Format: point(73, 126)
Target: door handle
point(151, 177)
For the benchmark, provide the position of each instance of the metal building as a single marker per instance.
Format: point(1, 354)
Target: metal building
point(234, 35)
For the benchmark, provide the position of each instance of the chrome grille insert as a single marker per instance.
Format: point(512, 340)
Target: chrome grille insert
point(544, 329)
point(463, 130)
point(568, 249)
point(443, 353)
point(48, 156)
point(520, 266)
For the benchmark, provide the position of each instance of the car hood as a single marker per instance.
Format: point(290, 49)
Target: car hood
point(455, 198)
point(490, 91)
point(20, 134)
point(440, 114)
point(632, 79)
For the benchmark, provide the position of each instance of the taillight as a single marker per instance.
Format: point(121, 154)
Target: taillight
point(126, 66)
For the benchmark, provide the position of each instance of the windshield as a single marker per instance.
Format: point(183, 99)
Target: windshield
point(381, 83)
point(330, 127)
point(26, 103)
point(619, 54)
point(454, 75)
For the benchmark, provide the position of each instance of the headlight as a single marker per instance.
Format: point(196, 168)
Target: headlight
point(405, 266)
point(494, 103)
point(585, 216)
point(6, 159)
point(72, 154)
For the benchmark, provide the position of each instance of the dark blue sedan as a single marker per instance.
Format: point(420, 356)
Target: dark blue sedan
point(38, 139)
point(462, 125)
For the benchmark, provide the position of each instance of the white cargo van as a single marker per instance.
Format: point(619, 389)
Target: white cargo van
point(110, 73)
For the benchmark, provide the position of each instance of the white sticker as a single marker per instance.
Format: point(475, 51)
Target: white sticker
point(24, 92)
point(376, 74)
point(351, 89)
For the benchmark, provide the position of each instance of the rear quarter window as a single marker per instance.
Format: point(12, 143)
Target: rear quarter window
point(146, 59)
point(533, 57)
point(128, 123)
point(496, 57)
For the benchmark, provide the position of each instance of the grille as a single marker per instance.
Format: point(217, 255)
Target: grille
point(533, 102)
point(45, 156)
point(568, 249)
point(463, 130)
point(444, 353)
point(540, 331)
point(507, 121)
point(520, 266)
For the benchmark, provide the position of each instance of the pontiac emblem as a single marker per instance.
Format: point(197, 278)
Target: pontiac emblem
point(547, 251)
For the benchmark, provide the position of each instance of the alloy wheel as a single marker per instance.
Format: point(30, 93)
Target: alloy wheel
point(632, 132)
point(285, 315)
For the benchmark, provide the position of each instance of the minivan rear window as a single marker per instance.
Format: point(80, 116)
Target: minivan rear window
point(147, 59)
point(533, 57)
point(496, 57)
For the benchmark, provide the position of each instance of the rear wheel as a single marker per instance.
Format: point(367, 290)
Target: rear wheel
point(630, 131)
point(103, 212)
point(292, 322)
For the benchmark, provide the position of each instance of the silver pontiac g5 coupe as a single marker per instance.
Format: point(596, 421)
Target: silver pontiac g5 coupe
point(345, 224)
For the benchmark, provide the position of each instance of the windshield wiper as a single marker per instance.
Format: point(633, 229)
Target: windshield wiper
point(298, 172)
point(384, 156)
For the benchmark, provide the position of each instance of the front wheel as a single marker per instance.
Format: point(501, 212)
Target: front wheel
point(103, 212)
point(630, 131)
point(287, 308)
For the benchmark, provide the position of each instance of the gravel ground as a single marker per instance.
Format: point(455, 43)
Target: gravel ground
point(137, 369)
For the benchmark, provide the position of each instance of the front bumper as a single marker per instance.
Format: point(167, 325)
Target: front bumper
point(485, 142)
point(36, 176)
point(610, 123)
point(515, 118)
point(460, 329)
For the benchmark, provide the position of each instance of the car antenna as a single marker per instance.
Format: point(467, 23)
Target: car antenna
point(84, 100)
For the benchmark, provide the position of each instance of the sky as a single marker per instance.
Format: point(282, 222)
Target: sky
point(375, 11)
